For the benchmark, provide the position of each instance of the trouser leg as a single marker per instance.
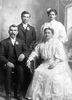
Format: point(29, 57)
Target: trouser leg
point(19, 80)
point(8, 79)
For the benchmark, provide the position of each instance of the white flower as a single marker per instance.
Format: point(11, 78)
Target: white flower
point(17, 42)
point(28, 28)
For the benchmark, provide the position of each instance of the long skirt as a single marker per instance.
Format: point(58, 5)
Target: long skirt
point(51, 84)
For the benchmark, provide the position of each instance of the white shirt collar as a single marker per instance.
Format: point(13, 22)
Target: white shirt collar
point(13, 40)
point(25, 25)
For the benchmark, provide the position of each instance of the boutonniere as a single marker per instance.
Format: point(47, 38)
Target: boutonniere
point(28, 28)
point(17, 43)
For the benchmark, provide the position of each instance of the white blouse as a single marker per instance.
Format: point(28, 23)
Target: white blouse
point(59, 30)
point(52, 49)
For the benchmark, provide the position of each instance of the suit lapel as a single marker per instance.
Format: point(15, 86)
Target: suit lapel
point(28, 30)
point(22, 28)
point(28, 27)
point(25, 30)
point(9, 41)
point(17, 41)
point(17, 44)
point(9, 47)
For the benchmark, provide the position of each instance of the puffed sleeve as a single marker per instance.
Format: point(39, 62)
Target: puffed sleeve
point(59, 51)
point(63, 36)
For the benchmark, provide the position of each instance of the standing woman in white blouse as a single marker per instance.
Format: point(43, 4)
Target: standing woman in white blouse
point(59, 29)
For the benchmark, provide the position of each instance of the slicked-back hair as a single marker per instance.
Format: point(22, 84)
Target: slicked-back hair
point(13, 25)
point(25, 12)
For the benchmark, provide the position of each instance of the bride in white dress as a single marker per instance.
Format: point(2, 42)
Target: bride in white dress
point(52, 79)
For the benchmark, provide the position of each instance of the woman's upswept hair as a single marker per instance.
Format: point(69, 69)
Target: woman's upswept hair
point(51, 10)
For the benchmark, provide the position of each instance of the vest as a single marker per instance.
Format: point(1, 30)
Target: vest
point(13, 56)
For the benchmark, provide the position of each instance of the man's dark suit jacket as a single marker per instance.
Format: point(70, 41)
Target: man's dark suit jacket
point(29, 38)
point(6, 49)
point(28, 35)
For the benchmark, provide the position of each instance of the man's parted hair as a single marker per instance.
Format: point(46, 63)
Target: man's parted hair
point(25, 12)
point(13, 25)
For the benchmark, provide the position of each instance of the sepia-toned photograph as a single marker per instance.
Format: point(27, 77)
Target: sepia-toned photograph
point(35, 49)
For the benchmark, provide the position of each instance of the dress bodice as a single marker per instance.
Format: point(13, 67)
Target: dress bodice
point(46, 50)
point(59, 30)
point(52, 49)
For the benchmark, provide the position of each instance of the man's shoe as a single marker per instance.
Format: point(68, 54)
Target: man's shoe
point(28, 98)
point(19, 97)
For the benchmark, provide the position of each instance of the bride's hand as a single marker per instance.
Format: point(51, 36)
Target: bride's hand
point(51, 67)
point(51, 64)
point(28, 63)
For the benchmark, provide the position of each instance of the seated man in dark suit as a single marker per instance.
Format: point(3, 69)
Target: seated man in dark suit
point(12, 55)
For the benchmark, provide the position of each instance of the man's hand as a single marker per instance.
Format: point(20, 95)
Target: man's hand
point(21, 57)
point(9, 64)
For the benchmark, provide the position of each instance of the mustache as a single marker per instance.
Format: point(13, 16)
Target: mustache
point(12, 34)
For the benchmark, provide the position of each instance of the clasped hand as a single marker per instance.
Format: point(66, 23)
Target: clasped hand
point(51, 66)
point(21, 57)
point(9, 64)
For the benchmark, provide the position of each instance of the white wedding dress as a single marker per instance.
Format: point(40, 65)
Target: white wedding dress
point(54, 83)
